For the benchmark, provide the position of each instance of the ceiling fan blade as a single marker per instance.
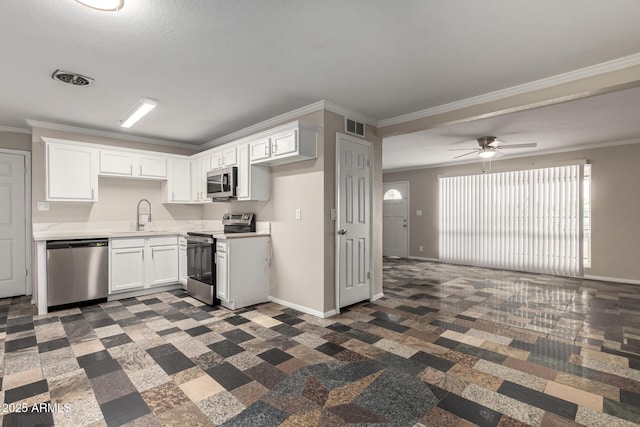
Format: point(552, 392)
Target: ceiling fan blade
point(531, 145)
point(495, 143)
point(466, 154)
point(460, 149)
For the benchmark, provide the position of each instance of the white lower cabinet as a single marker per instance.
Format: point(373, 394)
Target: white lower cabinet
point(182, 261)
point(242, 271)
point(127, 269)
point(141, 263)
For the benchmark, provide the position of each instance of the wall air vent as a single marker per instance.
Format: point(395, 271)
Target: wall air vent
point(71, 78)
point(353, 127)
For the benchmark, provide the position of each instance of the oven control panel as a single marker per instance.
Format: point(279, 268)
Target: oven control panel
point(237, 219)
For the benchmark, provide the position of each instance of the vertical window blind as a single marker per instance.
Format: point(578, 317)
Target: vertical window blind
point(528, 220)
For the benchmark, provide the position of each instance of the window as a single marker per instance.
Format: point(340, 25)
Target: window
point(392, 195)
point(523, 220)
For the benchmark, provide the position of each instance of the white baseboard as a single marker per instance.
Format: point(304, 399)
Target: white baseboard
point(377, 296)
point(611, 279)
point(304, 309)
point(418, 258)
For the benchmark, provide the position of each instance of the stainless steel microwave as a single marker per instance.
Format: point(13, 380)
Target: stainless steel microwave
point(222, 183)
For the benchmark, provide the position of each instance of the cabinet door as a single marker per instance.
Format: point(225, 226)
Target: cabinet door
point(152, 167)
point(72, 173)
point(244, 170)
point(260, 149)
point(222, 277)
point(229, 157)
point(164, 265)
point(180, 181)
point(117, 163)
point(127, 269)
point(284, 143)
point(182, 262)
point(217, 160)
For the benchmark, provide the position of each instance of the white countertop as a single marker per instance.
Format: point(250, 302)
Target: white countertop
point(68, 231)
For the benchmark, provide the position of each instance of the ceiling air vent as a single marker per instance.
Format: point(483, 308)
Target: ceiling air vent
point(71, 78)
point(353, 127)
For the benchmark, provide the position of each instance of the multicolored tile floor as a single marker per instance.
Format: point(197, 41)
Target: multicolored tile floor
point(446, 346)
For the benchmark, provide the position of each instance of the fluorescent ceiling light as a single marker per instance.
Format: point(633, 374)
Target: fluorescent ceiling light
point(105, 5)
point(139, 112)
point(487, 153)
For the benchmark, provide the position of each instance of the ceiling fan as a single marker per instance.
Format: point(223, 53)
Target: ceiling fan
point(490, 146)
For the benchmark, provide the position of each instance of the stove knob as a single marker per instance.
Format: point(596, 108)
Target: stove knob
point(225, 216)
point(245, 217)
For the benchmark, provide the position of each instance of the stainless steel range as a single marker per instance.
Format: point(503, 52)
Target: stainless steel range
point(201, 256)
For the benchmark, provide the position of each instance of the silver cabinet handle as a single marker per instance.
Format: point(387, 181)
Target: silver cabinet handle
point(140, 169)
point(342, 232)
point(266, 148)
point(93, 194)
point(274, 148)
point(173, 196)
point(143, 254)
point(130, 169)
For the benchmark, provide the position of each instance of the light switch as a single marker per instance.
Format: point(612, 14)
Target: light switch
point(419, 212)
point(43, 206)
point(333, 214)
point(298, 213)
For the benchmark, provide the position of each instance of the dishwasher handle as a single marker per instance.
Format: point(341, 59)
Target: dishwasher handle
point(77, 243)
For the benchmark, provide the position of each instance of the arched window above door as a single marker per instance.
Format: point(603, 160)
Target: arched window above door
point(392, 195)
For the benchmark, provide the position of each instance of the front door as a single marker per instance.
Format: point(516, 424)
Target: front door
point(13, 240)
point(395, 240)
point(353, 224)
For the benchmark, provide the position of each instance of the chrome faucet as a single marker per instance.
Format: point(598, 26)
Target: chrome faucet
point(140, 226)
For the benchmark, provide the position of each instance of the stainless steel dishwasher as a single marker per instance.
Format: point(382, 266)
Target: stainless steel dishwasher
point(77, 271)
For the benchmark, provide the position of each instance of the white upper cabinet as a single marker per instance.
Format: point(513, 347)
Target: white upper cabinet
point(116, 163)
point(178, 184)
point(71, 172)
point(223, 158)
point(254, 181)
point(229, 157)
point(200, 165)
point(130, 164)
point(260, 149)
point(287, 144)
point(150, 166)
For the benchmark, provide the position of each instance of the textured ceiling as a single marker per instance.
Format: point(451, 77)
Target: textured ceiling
point(219, 66)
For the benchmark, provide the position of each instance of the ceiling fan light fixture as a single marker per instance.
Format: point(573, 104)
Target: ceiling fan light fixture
point(486, 154)
point(138, 112)
point(104, 5)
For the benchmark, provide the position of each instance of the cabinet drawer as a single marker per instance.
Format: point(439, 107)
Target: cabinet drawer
point(127, 243)
point(163, 241)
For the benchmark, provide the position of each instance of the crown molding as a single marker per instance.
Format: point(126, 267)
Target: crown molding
point(264, 125)
point(349, 113)
point(14, 130)
point(106, 134)
point(591, 71)
point(291, 115)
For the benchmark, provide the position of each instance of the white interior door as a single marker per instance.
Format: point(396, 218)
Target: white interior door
point(395, 226)
point(12, 225)
point(353, 223)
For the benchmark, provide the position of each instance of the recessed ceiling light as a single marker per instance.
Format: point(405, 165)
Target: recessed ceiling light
point(138, 112)
point(105, 5)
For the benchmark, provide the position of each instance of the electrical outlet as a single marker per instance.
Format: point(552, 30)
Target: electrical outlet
point(43, 206)
point(421, 249)
point(419, 212)
point(298, 213)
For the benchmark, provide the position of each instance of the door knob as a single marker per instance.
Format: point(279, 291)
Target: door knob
point(342, 232)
